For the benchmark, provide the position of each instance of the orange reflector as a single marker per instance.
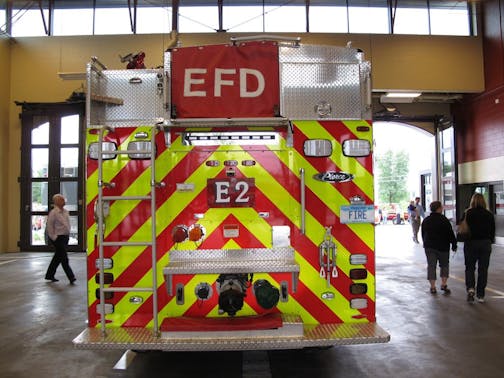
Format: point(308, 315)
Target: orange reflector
point(196, 232)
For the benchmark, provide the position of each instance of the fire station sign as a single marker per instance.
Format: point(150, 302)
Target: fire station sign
point(217, 82)
point(357, 214)
point(231, 192)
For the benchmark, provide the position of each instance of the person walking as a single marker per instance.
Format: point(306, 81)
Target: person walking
point(58, 230)
point(416, 213)
point(437, 235)
point(478, 248)
point(413, 218)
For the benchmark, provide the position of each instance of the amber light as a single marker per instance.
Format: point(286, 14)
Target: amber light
point(196, 232)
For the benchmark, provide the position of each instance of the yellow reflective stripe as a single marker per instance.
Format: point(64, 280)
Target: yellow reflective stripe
point(362, 177)
point(120, 209)
point(365, 232)
point(314, 230)
point(318, 285)
point(292, 306)
point(352, 126)
point(110, 167)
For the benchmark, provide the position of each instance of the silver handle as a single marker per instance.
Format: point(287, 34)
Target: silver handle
point(302, 226)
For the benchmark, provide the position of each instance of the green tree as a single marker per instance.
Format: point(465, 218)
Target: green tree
point(393, 169)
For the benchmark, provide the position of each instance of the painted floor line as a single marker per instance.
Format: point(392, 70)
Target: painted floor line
point(7, 262)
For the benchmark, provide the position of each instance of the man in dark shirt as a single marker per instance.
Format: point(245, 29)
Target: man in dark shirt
point(437, 235)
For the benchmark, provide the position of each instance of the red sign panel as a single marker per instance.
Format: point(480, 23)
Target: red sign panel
point(231, 192)
point(224, 81)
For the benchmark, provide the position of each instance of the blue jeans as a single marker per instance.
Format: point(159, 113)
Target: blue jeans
point(477, 252)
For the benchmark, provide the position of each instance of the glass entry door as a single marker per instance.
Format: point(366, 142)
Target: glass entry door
point(52, 162)
point(447, 176)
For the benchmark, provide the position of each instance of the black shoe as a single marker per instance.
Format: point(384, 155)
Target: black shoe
point(470, 296)
point(433, 290)
point(73, 280)
point(52, 279)
point(445, 289)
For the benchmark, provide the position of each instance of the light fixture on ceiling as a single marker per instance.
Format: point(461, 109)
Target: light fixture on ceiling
point(403, 94)
point(399, 97)
point(72, 75)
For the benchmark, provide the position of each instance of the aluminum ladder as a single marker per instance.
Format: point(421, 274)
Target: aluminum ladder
point(101, 227)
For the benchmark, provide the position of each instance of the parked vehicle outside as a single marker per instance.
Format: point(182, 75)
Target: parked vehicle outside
point(395, 214)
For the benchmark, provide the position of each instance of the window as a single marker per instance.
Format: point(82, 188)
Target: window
point(3, 18)
point(112, 21)
point(328, 19)
point(449, 18)
point(28, 22)
point(73, 22)
point(291, 18)
point(368, 17)
point(193, 19)
point(153, 20)
point(267, 16)
point(242, 18)
point(434, 17)
point(411, 20)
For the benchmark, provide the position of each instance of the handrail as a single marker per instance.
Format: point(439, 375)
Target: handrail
point(302, 225)
point(228, 122)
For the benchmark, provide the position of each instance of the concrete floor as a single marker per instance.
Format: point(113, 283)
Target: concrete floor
point(431, 336)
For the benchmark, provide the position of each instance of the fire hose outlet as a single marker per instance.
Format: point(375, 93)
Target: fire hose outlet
point(266, 294)
point(232, 289)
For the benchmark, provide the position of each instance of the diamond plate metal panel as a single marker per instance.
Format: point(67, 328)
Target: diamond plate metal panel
point(331, 77)
point(231, 261)
point(285, 253)
point(126, 97)
point(313, 336)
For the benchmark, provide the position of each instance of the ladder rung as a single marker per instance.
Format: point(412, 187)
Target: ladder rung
point(116, 198)
point(112, 244)
point(126, 289)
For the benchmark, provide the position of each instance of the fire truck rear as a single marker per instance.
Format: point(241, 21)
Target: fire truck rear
point(229, 200)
